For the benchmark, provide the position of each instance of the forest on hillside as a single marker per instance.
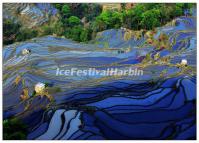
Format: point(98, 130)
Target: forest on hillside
point(81, 22)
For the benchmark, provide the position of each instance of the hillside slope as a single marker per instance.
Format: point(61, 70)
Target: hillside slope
point(29, 15)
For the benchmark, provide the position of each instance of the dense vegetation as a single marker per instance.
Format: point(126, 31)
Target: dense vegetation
point(13, 32)
point(14, 129)
point(81, 22)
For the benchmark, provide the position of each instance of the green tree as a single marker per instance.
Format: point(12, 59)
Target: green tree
point(75, 32)
point(10, 30)
point(98, 25)
point(25, 34)
point(178, 9)
point(150, 19)
point(149, 6)
point(165, 13)
point(132, 18)
point(116, 19)
point(73, 21)
point(14, 129)
point(47, 30)
point(109, 19)
point(137, 16)
point(58, 6)
point(85, 35)
point(58, 28)
point(93, 11)
point(66, 10)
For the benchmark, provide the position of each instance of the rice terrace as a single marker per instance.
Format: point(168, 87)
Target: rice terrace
point(99, 71)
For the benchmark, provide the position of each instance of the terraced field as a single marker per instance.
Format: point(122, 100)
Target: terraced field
point(160, 104)
point(31, 15)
